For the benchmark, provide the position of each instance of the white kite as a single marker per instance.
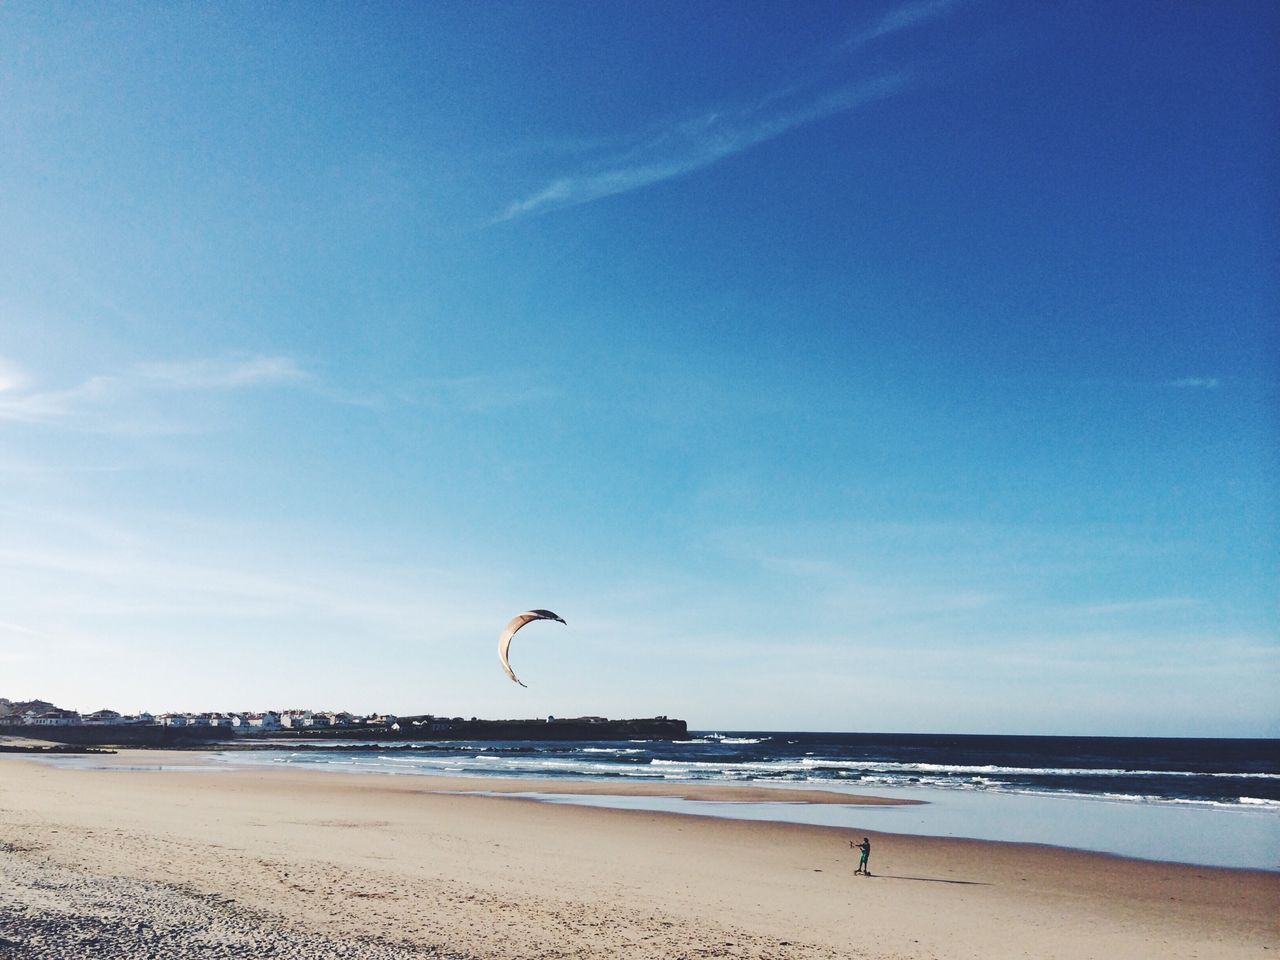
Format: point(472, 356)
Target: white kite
point(504, 641)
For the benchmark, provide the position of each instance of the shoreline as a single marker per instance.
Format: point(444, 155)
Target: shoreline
point(1194, 835)
point(380, 863)
point(161, 760)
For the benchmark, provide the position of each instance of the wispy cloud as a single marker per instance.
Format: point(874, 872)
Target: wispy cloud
point(113, 401)
point(1141, 607)
point(223, 374)
point(43, 406)
point(173, 397)
point(712, 135)
point(696, 144)
point(898, 19)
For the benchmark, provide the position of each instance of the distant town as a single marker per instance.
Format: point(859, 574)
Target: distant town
point(39, 713)
point(40, 719)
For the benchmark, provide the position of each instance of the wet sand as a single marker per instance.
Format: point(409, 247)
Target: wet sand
point(267, 862)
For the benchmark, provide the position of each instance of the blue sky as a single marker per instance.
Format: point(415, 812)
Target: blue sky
point(891, 366)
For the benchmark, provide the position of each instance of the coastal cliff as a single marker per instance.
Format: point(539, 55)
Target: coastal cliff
point(434, 728)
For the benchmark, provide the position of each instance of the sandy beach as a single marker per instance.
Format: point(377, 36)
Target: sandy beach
point(218, 862)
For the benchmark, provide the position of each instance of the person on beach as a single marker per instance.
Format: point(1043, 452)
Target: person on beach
point(865, 849)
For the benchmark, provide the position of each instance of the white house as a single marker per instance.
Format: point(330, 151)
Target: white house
point(256, 721)
point(52, 718)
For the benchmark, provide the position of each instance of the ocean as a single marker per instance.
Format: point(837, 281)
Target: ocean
point(1207, 801)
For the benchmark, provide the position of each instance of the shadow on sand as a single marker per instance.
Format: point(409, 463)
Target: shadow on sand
point(966, 883)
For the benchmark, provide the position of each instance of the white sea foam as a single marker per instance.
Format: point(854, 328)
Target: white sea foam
point(1260, 802)
point(612, 762)
point(617, 751)
point(980, 769)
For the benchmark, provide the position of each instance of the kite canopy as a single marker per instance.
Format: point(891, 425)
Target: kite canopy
point(509, 631)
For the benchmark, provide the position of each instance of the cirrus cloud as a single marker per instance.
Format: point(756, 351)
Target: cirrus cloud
point(708, 136)
point(119, 402)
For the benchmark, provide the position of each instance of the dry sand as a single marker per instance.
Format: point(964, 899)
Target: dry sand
point(283, 863)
